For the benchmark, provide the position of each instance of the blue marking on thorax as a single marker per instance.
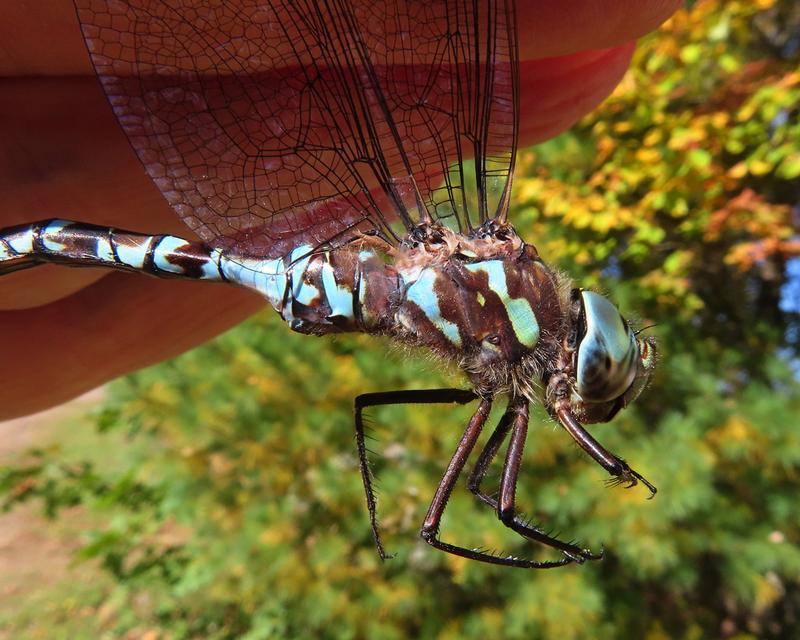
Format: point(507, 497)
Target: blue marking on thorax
point(422, 293)
point(519, 310)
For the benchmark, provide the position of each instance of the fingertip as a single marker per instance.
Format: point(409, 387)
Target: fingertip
point(549, 28)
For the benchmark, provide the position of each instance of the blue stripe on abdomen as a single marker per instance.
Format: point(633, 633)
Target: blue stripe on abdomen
point(134, 256)
point(22, 243)
point(50, 236)
point(166, 247)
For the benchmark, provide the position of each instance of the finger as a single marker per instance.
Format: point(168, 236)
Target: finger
point(44, 38)
point(63, 155)
point(121, 323)
point(555, 93)
point(546, 28)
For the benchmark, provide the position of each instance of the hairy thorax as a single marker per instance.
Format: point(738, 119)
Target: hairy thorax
point(486, 301)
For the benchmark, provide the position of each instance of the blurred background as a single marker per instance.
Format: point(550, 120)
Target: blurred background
point(218, 495)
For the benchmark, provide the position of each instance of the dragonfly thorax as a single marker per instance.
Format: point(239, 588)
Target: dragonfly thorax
point(485, 300)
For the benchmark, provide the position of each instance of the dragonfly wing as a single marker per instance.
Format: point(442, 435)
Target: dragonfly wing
point(267, 125)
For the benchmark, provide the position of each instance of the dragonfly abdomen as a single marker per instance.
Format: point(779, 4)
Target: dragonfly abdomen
point(86, 245)
point(322, 291)
point(315, 291)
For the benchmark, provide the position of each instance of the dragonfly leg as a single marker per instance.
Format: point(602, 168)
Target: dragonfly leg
point(517, 416)
point(616, 466)
point(420, 396)
point(430, 527)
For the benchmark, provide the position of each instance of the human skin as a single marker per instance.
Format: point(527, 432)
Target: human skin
point(64, 331)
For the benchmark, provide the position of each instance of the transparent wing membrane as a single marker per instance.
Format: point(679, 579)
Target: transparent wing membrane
point(268, 125)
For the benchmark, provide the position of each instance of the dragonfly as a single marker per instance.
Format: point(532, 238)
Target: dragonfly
point(352, 163)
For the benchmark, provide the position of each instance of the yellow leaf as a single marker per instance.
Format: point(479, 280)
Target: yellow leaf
point(739, 170)
point(622, 127)
point(648, 156)
point(720, 119)
point(760, 167)
point(654, 136)
point(768, 591)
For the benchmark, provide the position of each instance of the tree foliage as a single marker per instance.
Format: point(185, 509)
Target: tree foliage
point(237, 510)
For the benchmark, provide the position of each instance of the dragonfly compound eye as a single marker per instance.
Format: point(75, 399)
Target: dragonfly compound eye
point(608, 353)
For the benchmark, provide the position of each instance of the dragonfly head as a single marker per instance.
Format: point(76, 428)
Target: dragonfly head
point(606, 363)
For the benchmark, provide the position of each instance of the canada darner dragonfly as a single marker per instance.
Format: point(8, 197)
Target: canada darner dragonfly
point(320, 151)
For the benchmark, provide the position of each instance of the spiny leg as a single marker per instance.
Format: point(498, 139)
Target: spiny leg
point(430, 527)
point(616, 466)
point(505, 508)
point(485, 458)
point(420, 396)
